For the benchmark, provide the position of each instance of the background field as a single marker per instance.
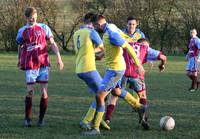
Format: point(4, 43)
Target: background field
point(69, 100)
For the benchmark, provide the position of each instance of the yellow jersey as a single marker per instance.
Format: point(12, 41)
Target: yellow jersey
point(85, 40)
point(114, 42)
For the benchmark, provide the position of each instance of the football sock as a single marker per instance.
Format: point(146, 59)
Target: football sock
point(109, 110)
point(191, 77)
point(130, 99)
point(43, 107)
point(194, 82)
point(90, 114)
point(99, 117)
point(144, 102)
point(28, 107)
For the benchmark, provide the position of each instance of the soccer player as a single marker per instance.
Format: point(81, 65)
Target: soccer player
point(132, 29)
point(136, 82)
point(34, 60)
point(134, 33)
point(87, 41)
point(115, 64)
point(193, 57)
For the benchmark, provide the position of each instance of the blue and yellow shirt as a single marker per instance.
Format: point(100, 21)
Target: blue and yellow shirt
point(85, 41)
point(114, 42)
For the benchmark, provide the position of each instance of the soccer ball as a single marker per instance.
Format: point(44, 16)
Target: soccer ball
point(167, 123)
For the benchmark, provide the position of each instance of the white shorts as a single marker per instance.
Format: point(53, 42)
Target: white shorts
point(192, 65)
point(40, 75)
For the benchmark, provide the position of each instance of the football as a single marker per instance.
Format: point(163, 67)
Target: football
point(167, 123)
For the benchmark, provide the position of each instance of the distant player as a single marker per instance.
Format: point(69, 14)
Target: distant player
point(132, 29)
point(34, 60)
point(193, 57)
point(115, 64)
point(136, 82)
point(87, 41)
point(134, 34)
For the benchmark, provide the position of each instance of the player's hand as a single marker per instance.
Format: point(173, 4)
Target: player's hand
point(186, 57)
point(161, 67)
point(141, 70)
point(19, 65)
point(198, 60)
point(99, 55)
point(60, 65)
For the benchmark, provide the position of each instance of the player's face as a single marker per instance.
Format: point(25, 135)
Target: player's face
point(132, 24)
point(193, 33)
point(99, 26)
point(145, 43)
point(32, 19)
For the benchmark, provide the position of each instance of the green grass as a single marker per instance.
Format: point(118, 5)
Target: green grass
point(69, 101)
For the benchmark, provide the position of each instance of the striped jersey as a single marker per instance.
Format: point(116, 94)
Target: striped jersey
point(33, 42)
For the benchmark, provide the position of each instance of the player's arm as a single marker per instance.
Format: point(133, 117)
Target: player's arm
point(197, 44)
point(153, 55)
point(97, 41)
point(19, 55)
point(55, 49)
point(117, 40)
point(163, 60)
point(19, 41)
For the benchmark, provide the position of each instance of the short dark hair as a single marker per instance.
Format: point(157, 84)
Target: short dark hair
point(88, 17)
point(143, 40)
point(98, 17)
point(29, 11)
point(132, 18)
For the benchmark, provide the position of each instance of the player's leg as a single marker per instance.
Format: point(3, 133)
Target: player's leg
point(138, 86)
point(129, 98)
point(109, 82)
point(93, 81)
point(112, 100)
point(192, 68)
point(43, 104)
point(143, 117)
point(43, 80)
point(111, 103)
point(194, 84)
point(143, 101)
point(28, 106)
point(100, 97)
point(31, 76)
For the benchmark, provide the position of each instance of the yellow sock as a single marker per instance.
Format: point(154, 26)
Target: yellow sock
point(98, 119)
point(90, 115)
point(133, 100)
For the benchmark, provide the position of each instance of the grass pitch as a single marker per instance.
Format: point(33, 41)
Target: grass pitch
point(69, 100)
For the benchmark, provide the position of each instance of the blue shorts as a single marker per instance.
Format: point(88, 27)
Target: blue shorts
point(192, 65)
point(111, 80)
point(40, 75)
point(92, 79)
point(136, 84)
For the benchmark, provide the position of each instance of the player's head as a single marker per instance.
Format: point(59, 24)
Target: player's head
point(193, 33)
point(88, 17)
point(132, 23)
point(31, 15)
point(99, 22)
point(144, 41)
